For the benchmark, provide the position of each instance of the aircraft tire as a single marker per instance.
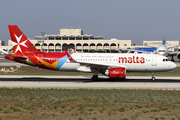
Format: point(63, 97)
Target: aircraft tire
point(94, 77)
point(153, 78)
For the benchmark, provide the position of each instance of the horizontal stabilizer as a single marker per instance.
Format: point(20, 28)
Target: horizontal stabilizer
point(16, 56)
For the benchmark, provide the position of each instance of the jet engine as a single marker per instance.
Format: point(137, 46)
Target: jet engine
point(178, 55)
point(117, 73)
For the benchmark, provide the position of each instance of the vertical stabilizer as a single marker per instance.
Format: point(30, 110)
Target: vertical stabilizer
point(164, 41)
point(20, 42)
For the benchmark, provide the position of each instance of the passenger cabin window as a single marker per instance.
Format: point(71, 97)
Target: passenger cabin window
point(131, 51)
point(164, 60)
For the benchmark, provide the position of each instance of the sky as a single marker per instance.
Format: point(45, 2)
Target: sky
point(137, 20)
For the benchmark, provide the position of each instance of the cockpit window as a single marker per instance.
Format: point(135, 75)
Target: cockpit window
point(161, 50)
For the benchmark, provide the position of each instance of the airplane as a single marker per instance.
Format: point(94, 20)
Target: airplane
point(114, 65)
point(3, 51)
point(161, 50)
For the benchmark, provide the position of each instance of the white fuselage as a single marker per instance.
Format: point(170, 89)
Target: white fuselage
point(132, 62)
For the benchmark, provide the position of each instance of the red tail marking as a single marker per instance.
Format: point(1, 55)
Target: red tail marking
point(74, 50)
point(20, 42)
point(69, 56)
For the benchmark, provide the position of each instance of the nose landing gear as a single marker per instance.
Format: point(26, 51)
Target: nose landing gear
point(153, 78)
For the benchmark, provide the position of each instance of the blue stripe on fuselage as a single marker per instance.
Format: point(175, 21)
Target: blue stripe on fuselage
point(61, 61)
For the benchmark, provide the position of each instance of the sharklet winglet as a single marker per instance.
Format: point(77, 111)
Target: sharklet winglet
point(69, 56)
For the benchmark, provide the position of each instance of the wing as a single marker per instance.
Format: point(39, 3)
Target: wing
point(93, 64)
point(173, 53)
point(131, 50)
point(121, 49)
point(3, 51)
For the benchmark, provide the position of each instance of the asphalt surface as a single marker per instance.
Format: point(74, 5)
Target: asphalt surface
point(76, 82)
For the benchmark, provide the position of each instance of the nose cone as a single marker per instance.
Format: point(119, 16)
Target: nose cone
point(163, 53)
point(173, 66)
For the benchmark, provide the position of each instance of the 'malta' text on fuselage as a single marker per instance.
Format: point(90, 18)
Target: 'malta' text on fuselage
point(132, 59)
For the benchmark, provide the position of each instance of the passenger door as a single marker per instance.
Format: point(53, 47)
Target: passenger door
point(154, 61)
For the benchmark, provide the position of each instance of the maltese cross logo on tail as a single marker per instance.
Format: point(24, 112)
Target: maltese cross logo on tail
point(17, 44)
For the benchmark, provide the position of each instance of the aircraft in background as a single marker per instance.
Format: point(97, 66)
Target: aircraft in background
point(161, 50)
point(3, 51)
point(110, 64)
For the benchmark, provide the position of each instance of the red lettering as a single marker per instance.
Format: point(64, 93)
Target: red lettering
point(134, 59)
point(129, 60)
point(137, 59)
point(122, 59)
point(142, 60)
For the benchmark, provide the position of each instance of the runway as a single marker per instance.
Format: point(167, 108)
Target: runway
point(76, 82)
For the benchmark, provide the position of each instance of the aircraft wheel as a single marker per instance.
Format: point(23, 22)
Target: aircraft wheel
point(153, 78)
point(95, 77)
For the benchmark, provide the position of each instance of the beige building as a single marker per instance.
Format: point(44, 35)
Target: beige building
point(2, 43)
point(75, 39)
point(158, 43)
point(71, 32)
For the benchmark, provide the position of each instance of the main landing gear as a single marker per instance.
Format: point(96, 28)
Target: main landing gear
point(172, 58)
point(153, 78)
point(94, 77)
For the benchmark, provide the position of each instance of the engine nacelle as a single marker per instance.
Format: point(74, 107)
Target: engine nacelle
point(178, 55)
point(118, 72)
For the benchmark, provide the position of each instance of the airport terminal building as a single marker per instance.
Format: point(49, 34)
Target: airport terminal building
point(75, 39)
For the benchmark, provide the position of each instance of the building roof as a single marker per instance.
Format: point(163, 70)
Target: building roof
point(46, 37)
